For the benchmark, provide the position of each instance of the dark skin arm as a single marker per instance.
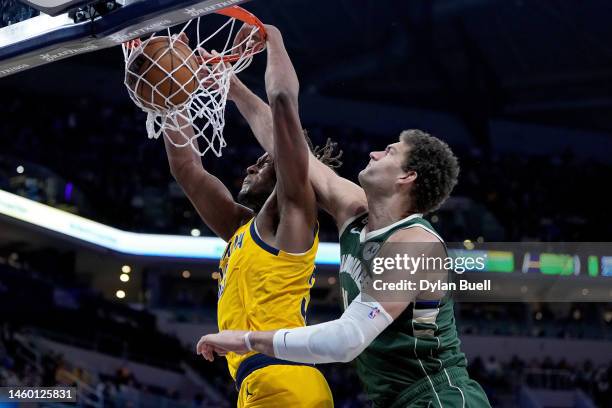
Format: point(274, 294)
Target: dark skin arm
point(295, 195)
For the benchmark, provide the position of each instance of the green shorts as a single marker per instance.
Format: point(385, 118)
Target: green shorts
point(449, 388)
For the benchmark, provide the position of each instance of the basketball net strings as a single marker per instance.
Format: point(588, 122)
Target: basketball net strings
point(198, 122)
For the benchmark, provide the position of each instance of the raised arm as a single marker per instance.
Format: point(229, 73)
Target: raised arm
point(341, 198)
point(295, 195)
point(211, 199)
point(255, 111)
point(290, 150)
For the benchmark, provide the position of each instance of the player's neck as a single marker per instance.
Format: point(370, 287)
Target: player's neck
point(384, 211)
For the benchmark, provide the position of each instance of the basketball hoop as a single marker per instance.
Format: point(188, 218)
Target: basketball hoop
point(171, 103)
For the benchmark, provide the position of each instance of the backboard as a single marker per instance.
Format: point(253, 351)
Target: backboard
point(42, 38)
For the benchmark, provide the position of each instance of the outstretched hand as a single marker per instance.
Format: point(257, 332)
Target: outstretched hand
point(247, 39)
point(212, 66)
point(222, 343)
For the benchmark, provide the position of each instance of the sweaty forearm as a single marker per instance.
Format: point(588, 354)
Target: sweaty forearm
point(281, 78)
point(180, 159)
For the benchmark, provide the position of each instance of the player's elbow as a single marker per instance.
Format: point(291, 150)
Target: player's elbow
point(355, 343)
point(281, 100)
point(348, 353)
point(338, 354)
point(346, 356)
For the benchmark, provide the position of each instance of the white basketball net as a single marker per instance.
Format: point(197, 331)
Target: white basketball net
point(199, 120)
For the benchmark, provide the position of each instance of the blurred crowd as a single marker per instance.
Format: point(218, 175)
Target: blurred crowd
point(499, 379)
point(93, 158)
point(554, 320)
point(20, 367)
point(593, 378)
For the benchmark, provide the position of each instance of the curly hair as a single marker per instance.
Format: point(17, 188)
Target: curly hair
point(327, 153)
point(436, 166)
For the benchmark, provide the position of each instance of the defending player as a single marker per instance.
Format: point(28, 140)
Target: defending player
point(407, 348)
point(268, 264)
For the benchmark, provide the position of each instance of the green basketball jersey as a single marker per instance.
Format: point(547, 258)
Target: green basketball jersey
point(420, 343)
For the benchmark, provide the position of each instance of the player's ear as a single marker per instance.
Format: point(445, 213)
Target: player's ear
point(407, 177)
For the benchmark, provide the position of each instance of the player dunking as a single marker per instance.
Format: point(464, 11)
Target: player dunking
point(407, 348)
point(272, 239)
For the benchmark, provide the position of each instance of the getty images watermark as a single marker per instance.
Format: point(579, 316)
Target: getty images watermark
point(485, 271)
point(428, 267)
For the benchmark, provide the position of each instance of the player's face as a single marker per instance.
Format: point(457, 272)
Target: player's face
point(385, 168)
point(258, 183)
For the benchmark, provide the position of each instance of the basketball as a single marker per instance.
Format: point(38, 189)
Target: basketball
point(163, 76)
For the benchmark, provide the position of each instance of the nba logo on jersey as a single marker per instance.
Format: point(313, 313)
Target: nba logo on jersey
point(373, 313)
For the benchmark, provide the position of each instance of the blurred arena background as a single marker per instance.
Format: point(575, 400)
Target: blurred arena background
point(521, 91)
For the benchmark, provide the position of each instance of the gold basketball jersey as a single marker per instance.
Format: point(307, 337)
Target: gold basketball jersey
point(261, 287)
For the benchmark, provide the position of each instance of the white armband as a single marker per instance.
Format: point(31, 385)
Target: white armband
point(340, 340)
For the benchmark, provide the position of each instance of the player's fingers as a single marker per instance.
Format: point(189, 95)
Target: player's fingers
point(204, 53)
point(204, 348)
point(209, 353)
point(200, 345)
point(254, 40)
point(212, 341)
point(132, 44)
point(207, 77)
point(182, 37)
point(210, 84)
point(214, 350)
point(218, 63)
point(242, 34)
point(209, 340)
point(211, 58)
point(247, 43)
point(204, 351)
point(225, 64)
point(206, 57)
point(203, 72)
